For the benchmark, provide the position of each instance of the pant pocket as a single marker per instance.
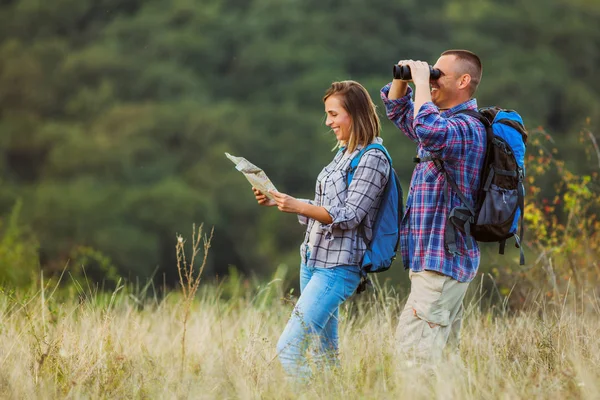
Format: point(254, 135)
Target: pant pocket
point(351, 280)
point(434, 323)
point(432, 314)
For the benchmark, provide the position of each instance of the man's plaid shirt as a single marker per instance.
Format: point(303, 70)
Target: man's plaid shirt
point(459, 140)
point(340, 243)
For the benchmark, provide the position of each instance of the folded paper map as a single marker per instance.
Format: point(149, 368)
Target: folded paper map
point(255, 175)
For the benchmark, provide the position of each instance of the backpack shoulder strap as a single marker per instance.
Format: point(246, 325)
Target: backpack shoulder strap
point(356, 159)
point(476, 114)
point(379, 147)
point(484, 120)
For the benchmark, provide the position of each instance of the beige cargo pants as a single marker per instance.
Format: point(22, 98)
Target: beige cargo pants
point(432, 316)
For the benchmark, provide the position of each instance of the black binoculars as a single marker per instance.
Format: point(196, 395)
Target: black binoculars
point(403, 72)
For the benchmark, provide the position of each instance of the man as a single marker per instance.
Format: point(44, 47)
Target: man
point(439, 277)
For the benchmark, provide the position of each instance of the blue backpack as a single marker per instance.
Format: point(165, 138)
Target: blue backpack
point(500, 199)
point(382, 249)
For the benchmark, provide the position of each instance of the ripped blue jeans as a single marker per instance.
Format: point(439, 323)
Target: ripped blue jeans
point(314, 321)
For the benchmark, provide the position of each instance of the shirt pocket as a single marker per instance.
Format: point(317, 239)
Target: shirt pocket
point(335, 187)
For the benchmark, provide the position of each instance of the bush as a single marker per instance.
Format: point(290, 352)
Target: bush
point(19, 261)
point(562, 229)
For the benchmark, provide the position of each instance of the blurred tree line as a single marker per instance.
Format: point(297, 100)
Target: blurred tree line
point(115, 114)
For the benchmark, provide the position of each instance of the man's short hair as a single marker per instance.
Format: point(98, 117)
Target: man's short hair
point(469, 64)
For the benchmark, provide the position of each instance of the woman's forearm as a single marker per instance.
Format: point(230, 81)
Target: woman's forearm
point(289, 204)
point(315, 212)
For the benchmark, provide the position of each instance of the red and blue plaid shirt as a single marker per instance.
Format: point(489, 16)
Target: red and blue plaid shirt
point(459, 140)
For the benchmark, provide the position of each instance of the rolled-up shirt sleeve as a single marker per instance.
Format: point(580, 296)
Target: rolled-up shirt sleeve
point(400, 111)
point(368, 182)
point(303, 219)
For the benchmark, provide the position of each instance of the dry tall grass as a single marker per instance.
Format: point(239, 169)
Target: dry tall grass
point(90, 345)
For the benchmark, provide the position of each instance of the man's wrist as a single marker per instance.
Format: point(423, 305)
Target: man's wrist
point(422, 86)
point(398, 89)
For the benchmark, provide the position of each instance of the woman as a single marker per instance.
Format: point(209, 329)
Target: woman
point(333, 246)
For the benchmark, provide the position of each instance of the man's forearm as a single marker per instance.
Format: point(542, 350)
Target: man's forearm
point(422, 96)
point(398, 89)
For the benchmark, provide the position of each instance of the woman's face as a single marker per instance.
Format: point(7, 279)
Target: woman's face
point(338, 118)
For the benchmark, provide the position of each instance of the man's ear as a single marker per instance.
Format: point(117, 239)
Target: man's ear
point(464, 81)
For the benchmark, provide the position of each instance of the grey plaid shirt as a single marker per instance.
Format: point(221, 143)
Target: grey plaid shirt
point(340, 242)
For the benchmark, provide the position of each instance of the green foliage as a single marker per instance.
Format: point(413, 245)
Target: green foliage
point(541, 57)
point(114, 115)
point(90, 264)
point(19, 263)
point(563, 231)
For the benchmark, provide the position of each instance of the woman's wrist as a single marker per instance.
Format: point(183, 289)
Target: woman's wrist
point(301, 207)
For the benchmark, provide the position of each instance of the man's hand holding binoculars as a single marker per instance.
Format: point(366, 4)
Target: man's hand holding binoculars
point(402, 71)
point(420, 73)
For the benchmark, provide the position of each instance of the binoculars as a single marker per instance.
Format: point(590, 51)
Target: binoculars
point(403, 72)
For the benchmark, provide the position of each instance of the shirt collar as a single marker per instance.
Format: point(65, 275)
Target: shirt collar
point(467, 105)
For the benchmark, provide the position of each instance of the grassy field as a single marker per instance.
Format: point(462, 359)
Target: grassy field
point(83, 344)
